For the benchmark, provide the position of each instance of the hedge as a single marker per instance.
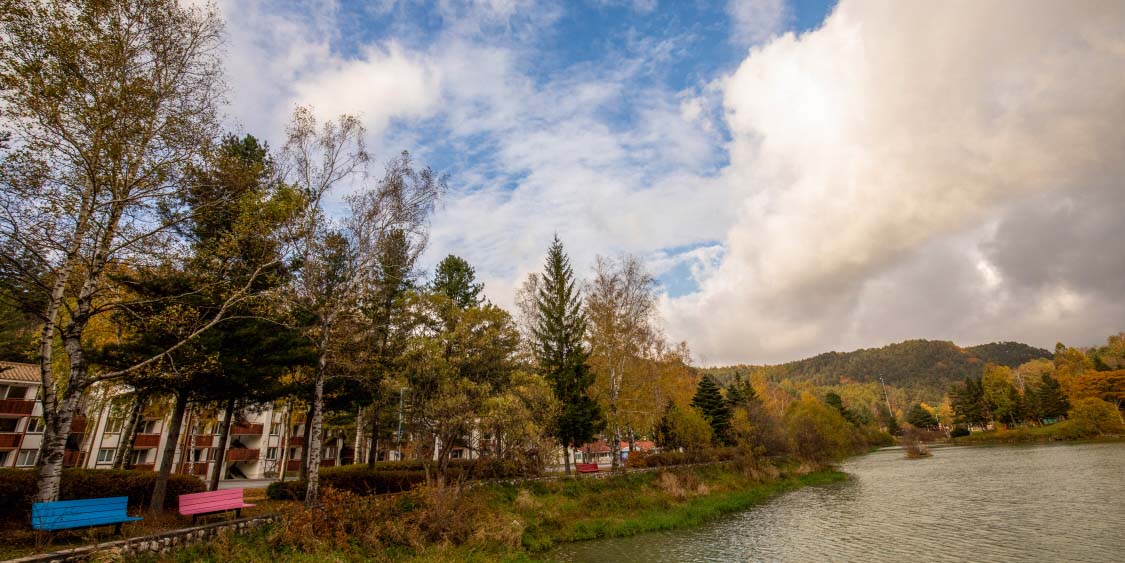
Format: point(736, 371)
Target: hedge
point(17, 488)
point(665, 459)
point(352, 478)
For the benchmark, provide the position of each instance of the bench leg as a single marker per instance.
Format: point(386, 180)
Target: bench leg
point(117, 528)
point(238, 513)
point(193, 517)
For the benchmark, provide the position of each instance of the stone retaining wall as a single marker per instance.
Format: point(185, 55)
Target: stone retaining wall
point(164, 542)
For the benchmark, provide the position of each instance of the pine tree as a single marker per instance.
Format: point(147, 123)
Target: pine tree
point(714, 408)
point(455, 278)
point(559, 333)
point(1050, 402)
point(919, 417)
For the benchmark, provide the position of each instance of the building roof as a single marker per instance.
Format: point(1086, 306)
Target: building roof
point(11, 371)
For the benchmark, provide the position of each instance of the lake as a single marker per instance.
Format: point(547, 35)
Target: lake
point(1000, 504)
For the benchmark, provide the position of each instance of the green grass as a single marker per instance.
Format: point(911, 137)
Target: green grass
point(1060, 431)
point(554, 512)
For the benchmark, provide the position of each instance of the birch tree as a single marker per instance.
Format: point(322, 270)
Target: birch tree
point(337, 258)
point(107, 103)
point(620, 306)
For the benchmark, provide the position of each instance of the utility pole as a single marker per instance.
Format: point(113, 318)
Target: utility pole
point(887, 396)
point(398, 433)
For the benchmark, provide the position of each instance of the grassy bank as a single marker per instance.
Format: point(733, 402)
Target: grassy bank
point(514, 522)
point(1065, 431)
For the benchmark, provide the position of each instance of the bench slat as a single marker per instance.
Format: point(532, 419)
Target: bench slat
point(60, 515)
point(213, 507)
point(212, 501)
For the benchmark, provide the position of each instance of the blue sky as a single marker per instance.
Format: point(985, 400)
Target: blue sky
point(799, 175)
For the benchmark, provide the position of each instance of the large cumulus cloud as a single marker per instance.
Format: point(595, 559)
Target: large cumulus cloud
point(948, 170)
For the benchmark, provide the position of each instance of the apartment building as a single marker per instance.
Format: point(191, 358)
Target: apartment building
point(259, 439)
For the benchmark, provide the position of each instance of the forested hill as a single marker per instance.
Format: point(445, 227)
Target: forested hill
point(921, 365)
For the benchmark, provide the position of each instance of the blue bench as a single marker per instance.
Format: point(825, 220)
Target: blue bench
point(84, 513)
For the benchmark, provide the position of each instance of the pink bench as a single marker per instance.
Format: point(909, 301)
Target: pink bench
point(195, 504)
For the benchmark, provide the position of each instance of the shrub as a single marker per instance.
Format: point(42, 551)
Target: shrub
point(355, 479)
point(17, 488)
point(1091, 417)
point(959, 432)
point(666, 459)
point(818, 433)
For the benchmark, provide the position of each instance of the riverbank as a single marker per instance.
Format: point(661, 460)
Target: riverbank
point(512, 522)
point(1064, 431)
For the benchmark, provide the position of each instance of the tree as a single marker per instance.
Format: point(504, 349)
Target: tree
point(337, 263)
point(559, 334)
point(456, 279)
point(1091, 417)
point(711, 404)
point(1108, 386)
point(620, 307)
point(1048, 400)
point(684, 428)
point(108, 105)
point(919, 417)
point(999, 393)
point(969, 406)
point(817, 432)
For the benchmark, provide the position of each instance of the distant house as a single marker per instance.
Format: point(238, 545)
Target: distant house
point(601, 452)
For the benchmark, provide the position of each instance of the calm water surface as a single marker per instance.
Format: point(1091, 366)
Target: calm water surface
point(1018, 504)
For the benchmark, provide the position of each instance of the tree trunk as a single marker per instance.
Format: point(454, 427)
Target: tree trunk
point(285, 433)
point(357, 457)
point(373, 453)
point(169, 453)
point(221, 454)
point(566, 459)
point(129, 432)
point(314, 441)
point(303, 472)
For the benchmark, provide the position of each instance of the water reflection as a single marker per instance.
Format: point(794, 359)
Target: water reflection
point(1026, 503)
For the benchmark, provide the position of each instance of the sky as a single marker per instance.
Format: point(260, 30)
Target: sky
point(800, 176)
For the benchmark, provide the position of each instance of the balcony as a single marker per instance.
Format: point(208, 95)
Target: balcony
point(73, 458)
point(328, 463)
point(144, 441)
point(10, 440)
point(296, 441)
point(246, 430)
point(243, 454)
point(293, 465)
point(16, 406)
point(202, 440)
point(199, 469)
point(143, 467)
point(78, 424)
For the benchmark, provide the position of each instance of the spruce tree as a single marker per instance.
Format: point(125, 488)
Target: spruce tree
point(1050, 402)
point(455, 278)
point(919, 417)
point(559, 332)
point(711, 404)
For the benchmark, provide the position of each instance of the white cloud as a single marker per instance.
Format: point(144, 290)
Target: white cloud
point(754, 21)
point(859, 146)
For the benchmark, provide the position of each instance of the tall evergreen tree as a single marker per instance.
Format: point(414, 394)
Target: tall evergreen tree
point(969, 406)
point(919, 417)
point(559, 333)
point(1049, 400)
point(455, 278)
point(711, 404)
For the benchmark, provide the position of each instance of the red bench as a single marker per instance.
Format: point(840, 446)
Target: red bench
point(586, 467)
point(195, 504)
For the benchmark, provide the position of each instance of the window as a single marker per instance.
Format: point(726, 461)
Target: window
point(105, 455)
point(27, 458)
point(9, 424)
point(149, 427)
point(294, 453)
point(3, 458)
point(35, 425)
point(113, 425)
point(271, 453)
point(139, 457)
point(275, 428)
point(456, 454)
point(330, 453)
point(197, 455)
point(13, 392)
